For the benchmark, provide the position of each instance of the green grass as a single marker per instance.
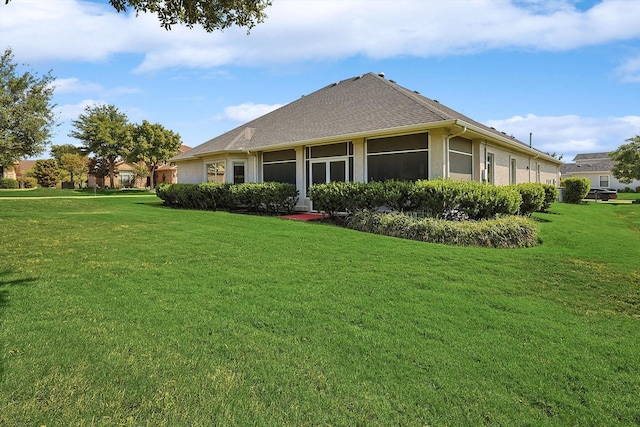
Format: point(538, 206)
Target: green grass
point(628, 196)
point(57, 192)
point(117, 311)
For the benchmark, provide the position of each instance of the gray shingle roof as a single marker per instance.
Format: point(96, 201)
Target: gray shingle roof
point(591, 157)
point(598, 166)
point(357, 105)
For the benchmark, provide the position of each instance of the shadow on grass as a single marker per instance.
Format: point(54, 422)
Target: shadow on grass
point(5, 284)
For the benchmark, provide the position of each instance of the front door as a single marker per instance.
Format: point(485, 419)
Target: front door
point(325, 171)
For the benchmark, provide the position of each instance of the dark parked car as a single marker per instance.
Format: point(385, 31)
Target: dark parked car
point(602, 194)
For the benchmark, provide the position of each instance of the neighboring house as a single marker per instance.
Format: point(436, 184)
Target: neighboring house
point(597, 168)
point(126, 176)
point(365, 128)
point(17, 170)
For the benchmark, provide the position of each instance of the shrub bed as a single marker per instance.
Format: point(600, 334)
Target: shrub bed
point(436, 198)
point(268, 197)
point(505, 232)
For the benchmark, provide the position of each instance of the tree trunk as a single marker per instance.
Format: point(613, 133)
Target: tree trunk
point(112, 168)
point(152, 178)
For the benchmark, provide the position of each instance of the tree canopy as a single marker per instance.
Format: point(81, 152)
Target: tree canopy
point(153, 145)
point(210, 14)
point(106, 132)
point(627, 161)
point(46, 172)
point(26, 116)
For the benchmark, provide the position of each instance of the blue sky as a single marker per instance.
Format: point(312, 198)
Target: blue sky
point(567, 71)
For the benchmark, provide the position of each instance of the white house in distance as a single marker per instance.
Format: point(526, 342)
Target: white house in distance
point(364, 128)
point(597, 168)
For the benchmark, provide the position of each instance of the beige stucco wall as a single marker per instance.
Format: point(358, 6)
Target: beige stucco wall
point(191, 172)
point(194, 171)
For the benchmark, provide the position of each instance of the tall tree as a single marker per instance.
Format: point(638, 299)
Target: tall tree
point(26, 116)
point(153, 145)
point(210, 14)
point(627, 160)
point(76, 165)
point(105, 132)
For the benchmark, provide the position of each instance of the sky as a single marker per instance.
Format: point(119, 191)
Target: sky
point(565, 71)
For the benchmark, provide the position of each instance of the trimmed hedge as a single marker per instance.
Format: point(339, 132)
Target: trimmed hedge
point(505, 232)
point(8, 183)
point(437, 198)
point(576, 189)
point(533, 197)
point(268, 197)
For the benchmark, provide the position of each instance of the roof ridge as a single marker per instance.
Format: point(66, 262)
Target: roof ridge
point(415, 96)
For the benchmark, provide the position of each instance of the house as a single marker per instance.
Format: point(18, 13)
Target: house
point(125, 177)
point(365, 128)
point(17, 170)
point(597, 168)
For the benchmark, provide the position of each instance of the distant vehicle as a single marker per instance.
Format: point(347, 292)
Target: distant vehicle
point(602, 194)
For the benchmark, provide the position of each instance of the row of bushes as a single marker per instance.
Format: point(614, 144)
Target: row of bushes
point(268, 197)
point(434, 198)
point(505, 232)
point(22, 182)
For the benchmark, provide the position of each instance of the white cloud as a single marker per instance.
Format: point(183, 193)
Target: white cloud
point(74, 85)
point(571, 134)
point(72, 111)
point(629, 71)
point(246, 112)
point(313, 30)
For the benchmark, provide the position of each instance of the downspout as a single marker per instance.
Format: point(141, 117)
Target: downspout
point(445, 155)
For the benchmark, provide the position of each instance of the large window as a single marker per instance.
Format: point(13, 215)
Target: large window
point(279, 166)
point(403, 158)
point(215, 172)
point(460, 158)
point(126, 178)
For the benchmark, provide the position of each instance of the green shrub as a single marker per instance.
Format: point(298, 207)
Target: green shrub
point(330, 198)
point(8, 183)
point(271, 197)
point(477, 200)
point(267, 197)
point(550, 196)
point(397, 195)
point(504, 232)
point(576, 189)
point(180, 195)
point(533, 198)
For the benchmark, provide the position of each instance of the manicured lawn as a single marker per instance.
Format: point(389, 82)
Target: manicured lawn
point(117, 311)
point(57, 192)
